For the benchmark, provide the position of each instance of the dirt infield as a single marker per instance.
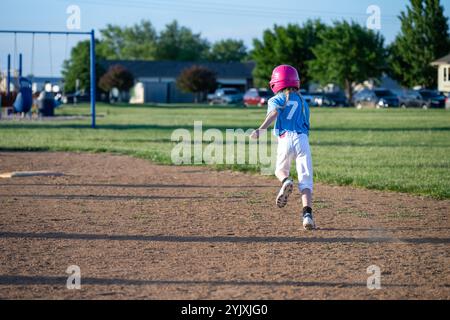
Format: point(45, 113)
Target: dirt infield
point(138, 230)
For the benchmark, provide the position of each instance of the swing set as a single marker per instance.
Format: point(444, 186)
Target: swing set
point(50, 33)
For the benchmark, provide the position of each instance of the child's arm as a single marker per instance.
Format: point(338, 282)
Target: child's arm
point(267, 122)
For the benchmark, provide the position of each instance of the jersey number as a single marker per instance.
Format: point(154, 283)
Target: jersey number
point(294, 105)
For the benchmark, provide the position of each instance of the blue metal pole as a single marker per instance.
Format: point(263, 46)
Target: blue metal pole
point(8, 75)
point(43, 32)
point(20, 65)
point(93, 84)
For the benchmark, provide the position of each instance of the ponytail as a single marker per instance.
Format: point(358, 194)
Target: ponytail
point(287, 92)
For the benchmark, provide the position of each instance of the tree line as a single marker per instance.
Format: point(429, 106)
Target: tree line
point(142, 42)
point(343, 53)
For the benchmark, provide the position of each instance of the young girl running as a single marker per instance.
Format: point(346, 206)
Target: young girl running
point(291, 113)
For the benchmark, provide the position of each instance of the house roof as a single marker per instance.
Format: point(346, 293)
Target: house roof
point(45, 79)
point(443, 60)
point(172, 69)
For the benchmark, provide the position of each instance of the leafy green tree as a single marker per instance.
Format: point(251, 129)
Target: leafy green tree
point(286, 45)
point(228, 50)
point(348, 54)
point(179, 43)
point(78, 66)
point(424, 37)
point(137, 42)
point(198, 80)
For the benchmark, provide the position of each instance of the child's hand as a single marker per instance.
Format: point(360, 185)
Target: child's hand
point(255, 134)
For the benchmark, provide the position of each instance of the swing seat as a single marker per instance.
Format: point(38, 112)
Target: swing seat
point(24, 99)
point(23, 102)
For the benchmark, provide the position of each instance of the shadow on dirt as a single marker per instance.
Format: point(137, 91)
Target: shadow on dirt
point(130, 185)
point(48, 280)
point(218, 239)
point(113, 197)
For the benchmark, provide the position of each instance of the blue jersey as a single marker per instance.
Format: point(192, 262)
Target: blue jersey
point(292, 116)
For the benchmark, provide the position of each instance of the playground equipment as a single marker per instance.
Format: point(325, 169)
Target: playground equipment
point(24, 99)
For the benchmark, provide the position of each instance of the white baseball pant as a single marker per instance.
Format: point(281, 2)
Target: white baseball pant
point(292, 145)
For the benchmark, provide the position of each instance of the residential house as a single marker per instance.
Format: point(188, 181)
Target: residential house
point(443, 65)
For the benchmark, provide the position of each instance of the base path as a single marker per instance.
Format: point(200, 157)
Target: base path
point(138, 230)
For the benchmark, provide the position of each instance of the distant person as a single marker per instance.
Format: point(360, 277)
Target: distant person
point(291, 113)
point(46, 102)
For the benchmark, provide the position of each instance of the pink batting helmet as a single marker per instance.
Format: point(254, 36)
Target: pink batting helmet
point(284, 76)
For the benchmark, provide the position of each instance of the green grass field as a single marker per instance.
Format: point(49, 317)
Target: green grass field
point(401, 150)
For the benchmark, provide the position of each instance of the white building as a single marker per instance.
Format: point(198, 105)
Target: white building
point(443, 65)
point(155, 81)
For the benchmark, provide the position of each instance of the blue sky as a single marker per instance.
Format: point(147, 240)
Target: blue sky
point(214, 19)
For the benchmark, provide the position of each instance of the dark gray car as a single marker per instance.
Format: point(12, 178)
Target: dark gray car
point(377, 98)
point(425, 99)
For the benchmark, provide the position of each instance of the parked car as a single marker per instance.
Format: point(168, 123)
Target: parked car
point(226, 96)
point(356, 96)
point(329, 99)
point(257, 97)
point(422, 99)
point(377, 98)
